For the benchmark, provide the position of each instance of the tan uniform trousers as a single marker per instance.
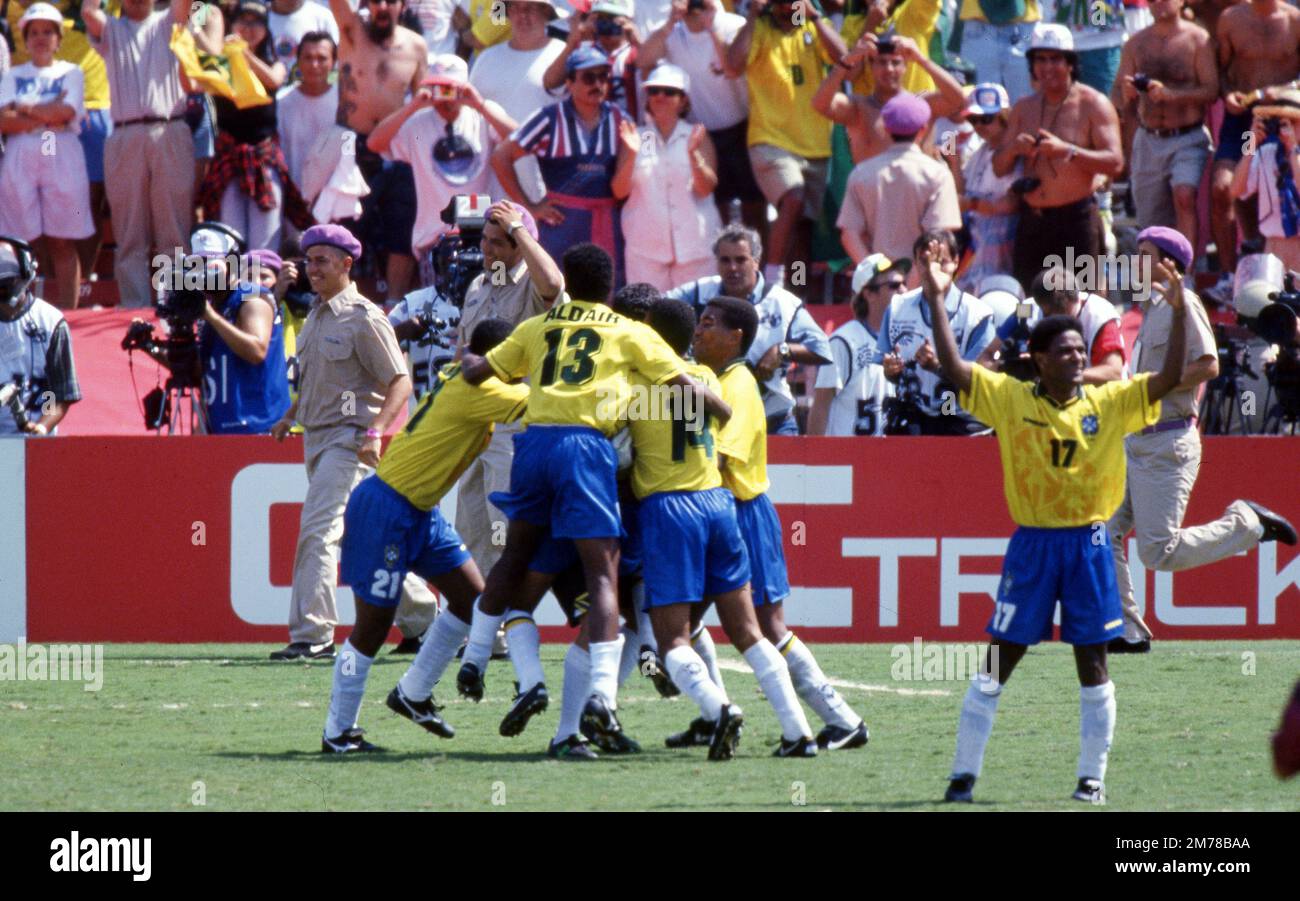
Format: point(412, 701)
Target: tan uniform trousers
point(481, 525)
point(1162, 469)
point(333, 470)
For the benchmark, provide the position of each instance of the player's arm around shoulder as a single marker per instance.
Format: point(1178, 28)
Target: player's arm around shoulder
point(507, 361)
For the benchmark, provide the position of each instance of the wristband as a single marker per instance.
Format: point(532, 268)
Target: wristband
point(374, 433)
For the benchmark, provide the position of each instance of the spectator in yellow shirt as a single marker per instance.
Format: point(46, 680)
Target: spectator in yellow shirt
point(477, 25)
point(915, 19)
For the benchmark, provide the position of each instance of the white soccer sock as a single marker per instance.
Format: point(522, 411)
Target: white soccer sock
point(436, 652)
point(774, 678)
point(627, 661)
point(1096, 729)
point(482, 635)
point(702, 642)
point(524, 644)
point(977, 713)
point(813, 686)
point(604, 669)
point(689, 673)
point(644, 628)
point(350, 670)
point(574, 692)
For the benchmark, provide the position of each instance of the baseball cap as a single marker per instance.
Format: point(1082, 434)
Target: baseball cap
point(212, 243)
point(585, 57)
point(905, 114)
point(41, 12)
point(613, 7)
point(874, 264)
point(447, 68)
point(666, 75)
point(1050, 36)
point(988, 99)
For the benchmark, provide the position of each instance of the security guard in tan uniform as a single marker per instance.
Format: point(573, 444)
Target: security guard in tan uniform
point(1163, 459)
point(352, 385)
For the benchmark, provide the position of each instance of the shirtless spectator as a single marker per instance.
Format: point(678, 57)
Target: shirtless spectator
point(379, 61)
point(1167, 81)
point(860, 113)
point(1259, 46)
point(1068, 136)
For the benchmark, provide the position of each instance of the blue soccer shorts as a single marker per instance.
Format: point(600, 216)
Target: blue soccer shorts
point(564, 478)
point(761, 529)
point(385, 536)
point(695, 548)
point(1043, 566)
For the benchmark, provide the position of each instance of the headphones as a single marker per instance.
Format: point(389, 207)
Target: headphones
point(26, 269)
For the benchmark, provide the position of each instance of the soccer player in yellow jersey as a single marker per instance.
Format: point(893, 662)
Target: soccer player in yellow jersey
point(1062, 446)
point(392, 525)
point(578, 357)
point(724, 334)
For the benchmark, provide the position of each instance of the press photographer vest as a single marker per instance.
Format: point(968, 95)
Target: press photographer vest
point(858, 407)
point(243, 398)
point(24, 344)
point(907, 325)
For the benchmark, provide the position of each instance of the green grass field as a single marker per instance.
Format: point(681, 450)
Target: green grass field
point(1192, 734)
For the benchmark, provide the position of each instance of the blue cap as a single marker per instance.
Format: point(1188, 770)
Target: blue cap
point(585, 57)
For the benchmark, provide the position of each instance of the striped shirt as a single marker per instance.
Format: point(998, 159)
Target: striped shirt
point(573, 161)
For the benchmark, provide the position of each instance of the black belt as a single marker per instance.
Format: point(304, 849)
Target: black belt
point(148, 120)
point(1173, 132)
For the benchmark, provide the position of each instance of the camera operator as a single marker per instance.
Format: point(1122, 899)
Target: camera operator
point(1163, 459)
point(924, 397)
point(241, 355)
point(39, 379)
point(1055, 293)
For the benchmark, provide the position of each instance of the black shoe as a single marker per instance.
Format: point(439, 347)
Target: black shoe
point(469, 682)
point(572, 748)
point(699, 732)
point(320, 651)
point(422, 713)
point(1276, 528)
point(601, 726)
point(406, 646)
point(526, 706)
point(837, 738)
point(1090, 790)
point(653, 669)
point(726, 734)
point(803, 747)
point(301, 650)
point(350, 742)
point(959, 789)
point(1122, 645)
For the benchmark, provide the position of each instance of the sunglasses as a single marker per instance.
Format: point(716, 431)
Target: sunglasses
point(980, 119)
point(593, 76)
point(384, 2)
point(663, 92)
point(892, 285)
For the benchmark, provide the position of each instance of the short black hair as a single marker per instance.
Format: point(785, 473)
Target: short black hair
point(488, 334)
point(312, 37)
point(1064, 287)
point(737, 313)
point(1045, 332)
point(942, 235)
point(674, 320)
point(588, 272)
point(635, 300)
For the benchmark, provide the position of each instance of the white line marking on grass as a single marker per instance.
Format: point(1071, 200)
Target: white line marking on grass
point(737, 667)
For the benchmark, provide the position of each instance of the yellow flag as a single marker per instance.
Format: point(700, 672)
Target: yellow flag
point(227, 75)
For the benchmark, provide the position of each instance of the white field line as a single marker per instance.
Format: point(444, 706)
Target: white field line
point(736, 666)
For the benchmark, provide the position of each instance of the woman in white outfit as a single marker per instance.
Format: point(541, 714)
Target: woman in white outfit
point(669, 219)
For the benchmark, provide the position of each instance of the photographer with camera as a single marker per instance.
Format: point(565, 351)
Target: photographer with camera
point(38, 381)
point(1270, 174)
point(1164, 458)
point(1055, 293)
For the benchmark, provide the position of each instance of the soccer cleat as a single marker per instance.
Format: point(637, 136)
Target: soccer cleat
point(469, 682)
point(1090, 790)
point(1276, 528)
point(959, 789)
point(600, 724)
point(837, 738)
point(422, 713)
point(653, 669)
point(408, 645)
point(699, 732)
point(1122, 645)
point(572, 748)
point(801, 747)
point(350, 742)
point(526, 706)
point(726, 734)
point(301, 650)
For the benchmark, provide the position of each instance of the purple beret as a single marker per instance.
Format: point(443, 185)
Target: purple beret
point(530, 224)
point(1169, 240)
point(332, 235)
point(906, 114)
point(267, 259)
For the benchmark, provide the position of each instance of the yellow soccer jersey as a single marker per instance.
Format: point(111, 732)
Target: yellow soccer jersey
point(426, 457)
point(1062, 466)
point(743, 440)
point(578, 357)
point(672, 454)
point(784, 71)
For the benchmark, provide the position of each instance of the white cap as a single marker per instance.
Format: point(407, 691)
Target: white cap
point(874, 264)
point(614, 7)
point(1050, 36)
point(41, 12)
point(212, 243)
point(987, 99)
point(666, 75)
point(446, 68)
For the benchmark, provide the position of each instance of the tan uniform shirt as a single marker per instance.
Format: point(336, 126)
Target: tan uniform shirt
point(1153, 341)
point(896, 195)
point(347, 357)
point(514, 301)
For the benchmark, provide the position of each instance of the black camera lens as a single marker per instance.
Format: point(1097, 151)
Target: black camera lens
point(1026, 184)
point(1142, 81)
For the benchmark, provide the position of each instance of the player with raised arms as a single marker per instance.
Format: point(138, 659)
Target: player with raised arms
point(392, 525)
point(1062, 447)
